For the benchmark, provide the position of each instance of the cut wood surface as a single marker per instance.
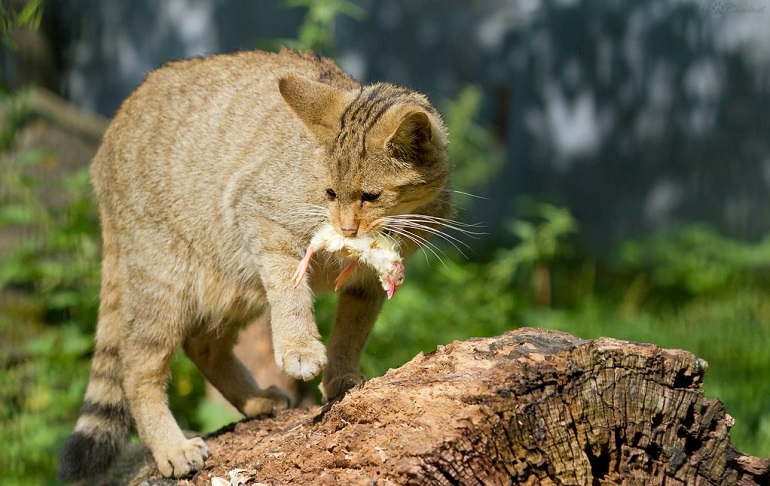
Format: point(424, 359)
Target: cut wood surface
point(532, 406)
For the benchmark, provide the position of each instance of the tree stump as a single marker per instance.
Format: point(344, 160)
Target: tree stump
point(532, 406)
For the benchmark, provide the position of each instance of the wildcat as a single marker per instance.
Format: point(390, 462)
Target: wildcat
point(211, 180)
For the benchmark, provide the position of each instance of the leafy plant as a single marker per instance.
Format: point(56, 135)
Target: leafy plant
point(542, 241)
point(60, 263)
point(474, 155)
point(42, 380)
point(317, 31)
point(14, 113)
point(698, 261)
point(31, 14)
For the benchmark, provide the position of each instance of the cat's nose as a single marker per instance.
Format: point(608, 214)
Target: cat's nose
point(349, 232)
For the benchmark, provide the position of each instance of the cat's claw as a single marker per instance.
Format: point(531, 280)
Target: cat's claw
point(304, 264)
point(302, 360)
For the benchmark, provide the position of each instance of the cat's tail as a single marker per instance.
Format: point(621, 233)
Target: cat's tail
point(105, 422)
point(104, 425)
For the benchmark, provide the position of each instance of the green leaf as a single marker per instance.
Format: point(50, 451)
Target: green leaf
point(30, 14)
point(16, 214)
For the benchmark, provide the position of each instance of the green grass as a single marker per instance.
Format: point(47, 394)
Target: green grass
point(42, 381)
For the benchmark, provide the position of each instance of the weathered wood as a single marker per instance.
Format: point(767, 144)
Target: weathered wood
point(532, 406)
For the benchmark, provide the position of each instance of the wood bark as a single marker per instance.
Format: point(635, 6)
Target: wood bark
point(530, 407)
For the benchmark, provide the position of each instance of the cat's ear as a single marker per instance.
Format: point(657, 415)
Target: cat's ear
point(317, 105)
point(412, 137)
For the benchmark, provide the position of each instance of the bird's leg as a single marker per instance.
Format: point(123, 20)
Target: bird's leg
point(304, 264)
point(345, 274)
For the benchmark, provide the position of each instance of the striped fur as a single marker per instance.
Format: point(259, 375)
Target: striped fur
point(211, 180)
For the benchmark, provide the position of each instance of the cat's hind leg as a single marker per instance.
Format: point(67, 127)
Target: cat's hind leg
point(156, 310)
point(212, 353)
point(146, 362)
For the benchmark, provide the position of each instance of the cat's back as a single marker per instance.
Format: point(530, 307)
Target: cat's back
point(191, 123)
point(196, 79)
point(255, 69)
point(209, 103)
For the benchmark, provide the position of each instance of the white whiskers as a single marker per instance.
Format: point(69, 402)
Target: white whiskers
point(409, 226)
point(417, 228)
point(309, 213)
point(468, 194)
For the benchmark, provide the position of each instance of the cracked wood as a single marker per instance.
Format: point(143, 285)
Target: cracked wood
point(532, 406)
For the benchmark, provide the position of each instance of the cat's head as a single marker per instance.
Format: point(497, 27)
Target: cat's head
point(381, 150)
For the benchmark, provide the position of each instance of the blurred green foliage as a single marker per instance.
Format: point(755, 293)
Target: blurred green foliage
point(59, 262)
point(42, 380)
point(316, 33)
point(697, 261)
point(30, 14)
point(474, 155)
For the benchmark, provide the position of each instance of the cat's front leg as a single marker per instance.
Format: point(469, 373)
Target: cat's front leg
point(296, 341)
point(359, 304)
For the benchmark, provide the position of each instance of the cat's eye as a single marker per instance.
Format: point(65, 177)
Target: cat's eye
point(370, 196)
point(331, 195)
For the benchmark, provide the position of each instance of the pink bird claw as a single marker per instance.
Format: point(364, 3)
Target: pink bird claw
point(391, 289)
point(304, 264)
point(345, 274)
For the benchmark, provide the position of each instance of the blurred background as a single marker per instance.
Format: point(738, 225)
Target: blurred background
point(613, 157)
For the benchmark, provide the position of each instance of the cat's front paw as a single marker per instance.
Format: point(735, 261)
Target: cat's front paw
point(302, 361)
point(182, 459)
point(337, 387)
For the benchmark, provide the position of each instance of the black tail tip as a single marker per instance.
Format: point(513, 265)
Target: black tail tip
point(83, 456)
